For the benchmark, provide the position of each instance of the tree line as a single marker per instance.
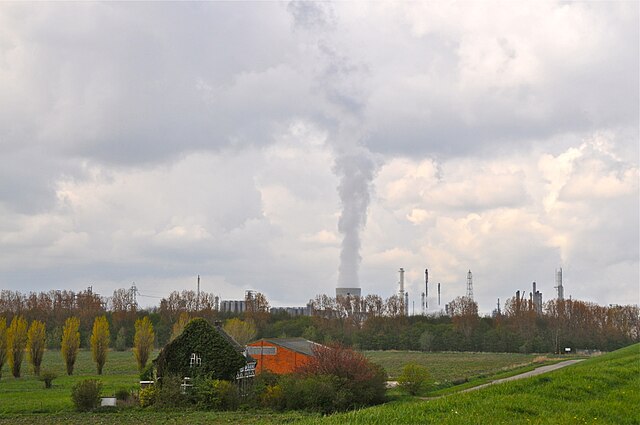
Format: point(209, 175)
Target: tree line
point(18, 338)
point(369, 322)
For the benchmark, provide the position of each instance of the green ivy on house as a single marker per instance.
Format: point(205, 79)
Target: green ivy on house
point(220, 358)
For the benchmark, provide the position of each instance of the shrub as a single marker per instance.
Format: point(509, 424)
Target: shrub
point(86, 394)
point(147, 396)
point(261, 382)
point(123, 394)
point(217, 394)
point(413, 379)
point(147, 373)
point(169, 392)
point(47, 376)
point(273, 397)
point(314, 393)
point(361, 383)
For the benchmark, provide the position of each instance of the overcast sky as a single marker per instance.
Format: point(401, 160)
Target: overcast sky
point(152, 142)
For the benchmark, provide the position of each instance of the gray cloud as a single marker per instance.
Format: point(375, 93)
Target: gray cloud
point(154, 141)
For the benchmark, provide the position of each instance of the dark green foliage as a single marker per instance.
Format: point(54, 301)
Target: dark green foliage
point(261, 382)
point(169, 394)
point(47, 377)
point(220, 359)
point(121, 340)
point(147, 373)
point(314, 393)
point(123, 394)
point(215, 394)
point(54, 336)
point(86, 394)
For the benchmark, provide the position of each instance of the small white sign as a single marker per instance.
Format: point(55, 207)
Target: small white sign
point(108, 401)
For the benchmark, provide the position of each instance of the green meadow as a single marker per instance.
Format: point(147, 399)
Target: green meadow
point(449, 367)
point(599, 390)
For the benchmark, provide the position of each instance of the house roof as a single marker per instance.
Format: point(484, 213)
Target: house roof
point(239, 348)
point(299, 345)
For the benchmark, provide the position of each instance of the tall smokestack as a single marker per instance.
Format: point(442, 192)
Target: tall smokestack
point(559, 286)
point(426, 288)
point(401, 291)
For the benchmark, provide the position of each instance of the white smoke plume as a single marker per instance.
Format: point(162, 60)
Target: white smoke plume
point(341, 81)
point(356, 171)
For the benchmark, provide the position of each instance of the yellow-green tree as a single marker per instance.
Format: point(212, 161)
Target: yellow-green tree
point(16, 342)
point(36, 339)
point(241, 331)
point(100, 342)
point(70, 342)
point(178, 327)
point(143, 341)
point(3, 343)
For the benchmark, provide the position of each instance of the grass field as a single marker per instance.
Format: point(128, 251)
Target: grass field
point(27, 394)
point(25, 400)
point(600, 390)
point(445, 367)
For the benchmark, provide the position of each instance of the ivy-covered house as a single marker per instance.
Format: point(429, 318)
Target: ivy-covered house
point(203, 349)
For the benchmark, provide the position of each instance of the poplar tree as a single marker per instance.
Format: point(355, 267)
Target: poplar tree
point(178, 327)
point(143, 341)
point(16, 342)
point(100, 342)
point(36, 340)
point(3, 343)
point(70, 342)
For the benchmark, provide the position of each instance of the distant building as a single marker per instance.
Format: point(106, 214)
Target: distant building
point(294, 311)
point(233, 306)
point(345, 292)
point(281, 355)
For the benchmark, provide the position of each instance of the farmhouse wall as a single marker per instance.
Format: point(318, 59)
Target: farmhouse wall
point(283, 360)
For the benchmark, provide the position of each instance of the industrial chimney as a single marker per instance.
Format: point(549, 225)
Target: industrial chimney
point(401, 293)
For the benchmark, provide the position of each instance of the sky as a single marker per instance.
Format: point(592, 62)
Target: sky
point(288, 147)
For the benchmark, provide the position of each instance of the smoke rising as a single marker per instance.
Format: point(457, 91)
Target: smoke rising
point(356, 171)
point(341, 81)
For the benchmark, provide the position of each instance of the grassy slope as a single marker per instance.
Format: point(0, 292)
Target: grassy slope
point(599, 390)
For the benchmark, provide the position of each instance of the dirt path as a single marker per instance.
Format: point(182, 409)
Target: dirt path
point(534, 372)
point(538, 371)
